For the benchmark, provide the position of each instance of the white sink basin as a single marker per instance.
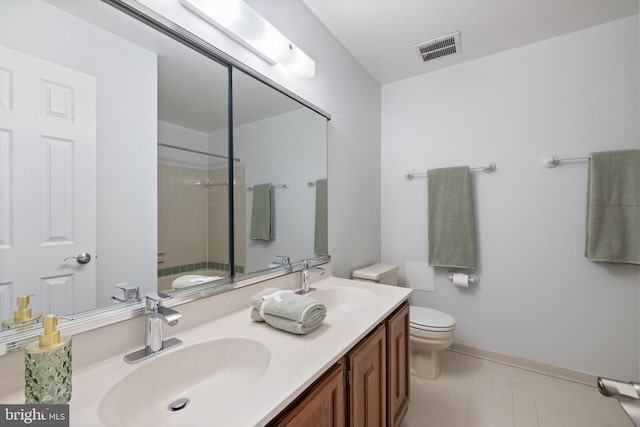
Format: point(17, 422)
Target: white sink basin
point(345, 299)
point(210, 375)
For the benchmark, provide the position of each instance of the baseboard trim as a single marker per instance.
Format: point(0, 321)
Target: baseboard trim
point(526, 364)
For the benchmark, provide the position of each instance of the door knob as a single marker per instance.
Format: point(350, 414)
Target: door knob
point(82, 258)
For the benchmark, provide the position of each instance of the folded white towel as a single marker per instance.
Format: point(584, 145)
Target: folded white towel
point(287, 311)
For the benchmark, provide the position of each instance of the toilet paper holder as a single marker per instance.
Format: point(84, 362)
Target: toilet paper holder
point(473, 279)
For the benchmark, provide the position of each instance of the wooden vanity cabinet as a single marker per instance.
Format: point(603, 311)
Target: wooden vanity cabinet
point(368, 387)
point(321, 405)
point(367, 364)
point(398, 369)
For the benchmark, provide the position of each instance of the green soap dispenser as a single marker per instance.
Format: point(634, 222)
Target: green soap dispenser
point(22, 316)
point(47, 373)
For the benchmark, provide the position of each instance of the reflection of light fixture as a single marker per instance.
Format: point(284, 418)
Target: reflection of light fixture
point(243, 24)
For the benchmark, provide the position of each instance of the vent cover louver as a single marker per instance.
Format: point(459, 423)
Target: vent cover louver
point(439, 47)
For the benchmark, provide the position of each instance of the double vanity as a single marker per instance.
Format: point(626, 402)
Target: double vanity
point(232, 371)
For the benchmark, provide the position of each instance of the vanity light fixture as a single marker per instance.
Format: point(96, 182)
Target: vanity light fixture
point(243, 24)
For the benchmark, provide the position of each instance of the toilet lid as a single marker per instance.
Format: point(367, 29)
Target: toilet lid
point(428, 319)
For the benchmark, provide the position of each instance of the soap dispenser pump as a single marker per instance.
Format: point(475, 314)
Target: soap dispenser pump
point(47, 362)
point(22, 316)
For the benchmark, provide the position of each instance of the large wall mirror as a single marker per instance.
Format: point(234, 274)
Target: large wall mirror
point(115, 142)
point(280, 193)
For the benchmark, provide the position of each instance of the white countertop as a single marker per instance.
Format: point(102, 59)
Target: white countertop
point(296, 361)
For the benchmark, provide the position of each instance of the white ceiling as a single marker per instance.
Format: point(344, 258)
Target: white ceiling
point(380, 34)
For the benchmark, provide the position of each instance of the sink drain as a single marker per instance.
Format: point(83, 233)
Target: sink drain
point(178, 405)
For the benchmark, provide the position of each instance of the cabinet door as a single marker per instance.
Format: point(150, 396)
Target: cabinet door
point(323, 404)
point(367, 381)
point(398, 365)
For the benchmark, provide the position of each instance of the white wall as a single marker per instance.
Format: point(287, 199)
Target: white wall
point(539, 297)
point(343, 88)
point(127, 106)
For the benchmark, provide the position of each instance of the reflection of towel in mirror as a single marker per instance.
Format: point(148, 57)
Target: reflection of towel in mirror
point(287, 311)
point(321, 246)
point(263, 213)
point(613, 207)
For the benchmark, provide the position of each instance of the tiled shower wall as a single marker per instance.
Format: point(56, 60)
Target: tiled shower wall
point(219, 214)
point(192, 219)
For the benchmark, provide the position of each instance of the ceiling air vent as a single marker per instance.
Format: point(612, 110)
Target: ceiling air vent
point(439, 47)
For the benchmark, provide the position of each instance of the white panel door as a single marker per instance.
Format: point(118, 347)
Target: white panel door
point(47, 185)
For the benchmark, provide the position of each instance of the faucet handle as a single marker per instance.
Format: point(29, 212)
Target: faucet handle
point(284, 260)
point(316, 259)
point(154, 300)
point(131, 292)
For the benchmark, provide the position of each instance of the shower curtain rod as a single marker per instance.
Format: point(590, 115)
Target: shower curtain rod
point(196, 151)
point(486, 168)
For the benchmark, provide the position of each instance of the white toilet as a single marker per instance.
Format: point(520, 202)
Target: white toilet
point(430, 330)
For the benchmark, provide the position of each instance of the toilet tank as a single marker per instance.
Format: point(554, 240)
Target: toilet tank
point(386, 274)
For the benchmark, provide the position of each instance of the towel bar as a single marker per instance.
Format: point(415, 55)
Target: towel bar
point(553, 161)
point(486, 168)
point(283, 185)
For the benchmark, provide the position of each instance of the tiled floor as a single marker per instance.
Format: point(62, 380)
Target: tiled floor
point(473, 392)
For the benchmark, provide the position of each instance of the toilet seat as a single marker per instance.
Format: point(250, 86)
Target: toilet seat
point(428, 319)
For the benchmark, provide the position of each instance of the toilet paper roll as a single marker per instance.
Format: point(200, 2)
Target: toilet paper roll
point(461, 280)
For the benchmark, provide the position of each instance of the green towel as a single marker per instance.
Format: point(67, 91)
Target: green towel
point(263, 215)
point(613, 207)
point(292, 313)
point(452, 231)
point(320, 244)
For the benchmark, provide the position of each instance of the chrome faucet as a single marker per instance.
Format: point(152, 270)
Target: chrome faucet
point(130, 290)
point(306, 271)
point(155, 315)
point(283, 261)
